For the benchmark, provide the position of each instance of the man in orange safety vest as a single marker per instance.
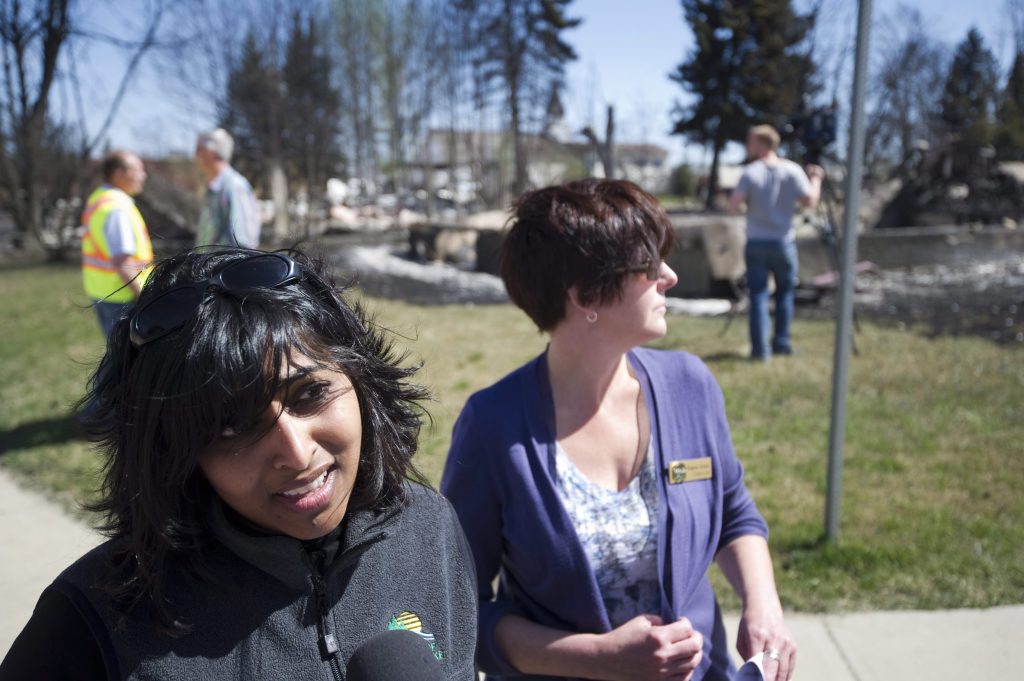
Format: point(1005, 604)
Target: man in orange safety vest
point(116, 249)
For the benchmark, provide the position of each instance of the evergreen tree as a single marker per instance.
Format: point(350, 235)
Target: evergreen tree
point(1010, 126)
point(970, 93)
point(251, 106)
point(310, 130)
point(747, 68)
point(283, 109)
point(519, 44)
point(254, 112)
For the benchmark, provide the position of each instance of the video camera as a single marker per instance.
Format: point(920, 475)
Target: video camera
point(814, 129)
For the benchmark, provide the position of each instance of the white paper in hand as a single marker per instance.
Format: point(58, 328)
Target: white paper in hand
point(752, 669)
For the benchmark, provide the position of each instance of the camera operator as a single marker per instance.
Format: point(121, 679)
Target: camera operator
point(771, 187)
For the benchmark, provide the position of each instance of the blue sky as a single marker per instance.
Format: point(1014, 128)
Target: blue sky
point(626, 51)
point(633, 50)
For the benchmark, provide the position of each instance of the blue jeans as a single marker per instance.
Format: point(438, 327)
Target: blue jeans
point(778, 258)
point(109, 313)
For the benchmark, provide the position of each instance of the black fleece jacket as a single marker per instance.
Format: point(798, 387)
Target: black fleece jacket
point(277, 608)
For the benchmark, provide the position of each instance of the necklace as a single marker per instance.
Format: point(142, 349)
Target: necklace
point(637, 460)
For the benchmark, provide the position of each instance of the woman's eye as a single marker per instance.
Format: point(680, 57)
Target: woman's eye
point(313, 394)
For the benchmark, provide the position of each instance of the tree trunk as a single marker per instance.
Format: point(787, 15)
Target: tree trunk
point(513, 65)
point(393, 92)
point(279, 195)
point(519, 181)
point(609, 144)
point(453, 165)
point(709, 203)
point(313, 179)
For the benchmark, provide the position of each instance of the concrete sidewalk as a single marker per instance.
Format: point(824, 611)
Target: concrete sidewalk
point(943, 645)
point(39, 540)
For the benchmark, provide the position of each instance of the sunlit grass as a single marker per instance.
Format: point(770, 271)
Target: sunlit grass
point(933, 504)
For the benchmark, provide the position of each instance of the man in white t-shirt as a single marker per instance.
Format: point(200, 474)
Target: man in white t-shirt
point(771, 187)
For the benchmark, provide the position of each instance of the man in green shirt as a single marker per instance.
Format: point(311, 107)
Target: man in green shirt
point(230, 215)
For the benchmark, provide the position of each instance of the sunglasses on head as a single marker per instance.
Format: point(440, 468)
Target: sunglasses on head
point(650, 269)
point(171, 309)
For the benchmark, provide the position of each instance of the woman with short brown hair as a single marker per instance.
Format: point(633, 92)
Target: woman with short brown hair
point(598, 482)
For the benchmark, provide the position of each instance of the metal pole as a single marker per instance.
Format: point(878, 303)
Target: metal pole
point(851, 195)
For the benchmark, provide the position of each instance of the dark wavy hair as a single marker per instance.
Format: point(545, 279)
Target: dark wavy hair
point(580, 234)
point(154, 409)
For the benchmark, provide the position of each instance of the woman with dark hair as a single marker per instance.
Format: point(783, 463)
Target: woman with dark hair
point(598, 481)
point(263, 511)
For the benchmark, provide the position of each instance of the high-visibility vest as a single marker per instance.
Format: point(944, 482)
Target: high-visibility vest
point(102, 280)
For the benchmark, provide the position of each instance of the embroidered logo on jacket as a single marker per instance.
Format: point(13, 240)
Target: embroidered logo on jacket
point(410, 621)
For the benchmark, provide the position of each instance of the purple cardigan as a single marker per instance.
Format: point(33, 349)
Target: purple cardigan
point(500, 477)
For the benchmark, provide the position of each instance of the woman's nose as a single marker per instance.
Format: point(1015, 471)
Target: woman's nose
point(668, 278)
point(292, 446)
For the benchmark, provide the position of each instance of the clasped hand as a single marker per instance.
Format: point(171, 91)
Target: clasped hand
point(644, 649)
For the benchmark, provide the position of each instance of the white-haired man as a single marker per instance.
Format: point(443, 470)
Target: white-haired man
point(231, 215)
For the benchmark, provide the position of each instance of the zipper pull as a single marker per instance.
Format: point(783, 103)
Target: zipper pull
point(326, 640)
point(328, 645)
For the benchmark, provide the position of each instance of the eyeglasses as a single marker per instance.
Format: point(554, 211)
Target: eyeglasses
point(651, 269)
point(171, 309)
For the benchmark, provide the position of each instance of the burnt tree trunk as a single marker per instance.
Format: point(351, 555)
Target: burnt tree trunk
point(709, 202)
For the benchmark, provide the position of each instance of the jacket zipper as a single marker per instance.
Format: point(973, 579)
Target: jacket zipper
point(326, 640)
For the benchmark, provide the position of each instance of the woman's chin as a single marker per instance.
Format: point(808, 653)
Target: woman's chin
point(317, 529)
point(656, 328)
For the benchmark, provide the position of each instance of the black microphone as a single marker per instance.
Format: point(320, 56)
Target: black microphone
point(395, 655)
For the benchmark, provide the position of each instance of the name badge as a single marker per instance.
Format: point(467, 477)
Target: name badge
point(689, 470)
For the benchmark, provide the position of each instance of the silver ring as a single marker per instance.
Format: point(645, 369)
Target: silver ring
point(772, 654)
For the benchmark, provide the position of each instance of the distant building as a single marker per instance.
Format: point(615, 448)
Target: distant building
point(645, 164)
point(481, 163)
point(728, 178)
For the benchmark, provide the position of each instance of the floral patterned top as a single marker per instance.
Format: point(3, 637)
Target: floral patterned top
point(619, 534)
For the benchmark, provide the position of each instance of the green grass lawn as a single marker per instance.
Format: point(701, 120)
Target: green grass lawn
point(933, 505)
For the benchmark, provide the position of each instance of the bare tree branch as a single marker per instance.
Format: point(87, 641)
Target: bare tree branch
point(1015, 18)
point(147, 42)
point(76, 87)
point(133, 44)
